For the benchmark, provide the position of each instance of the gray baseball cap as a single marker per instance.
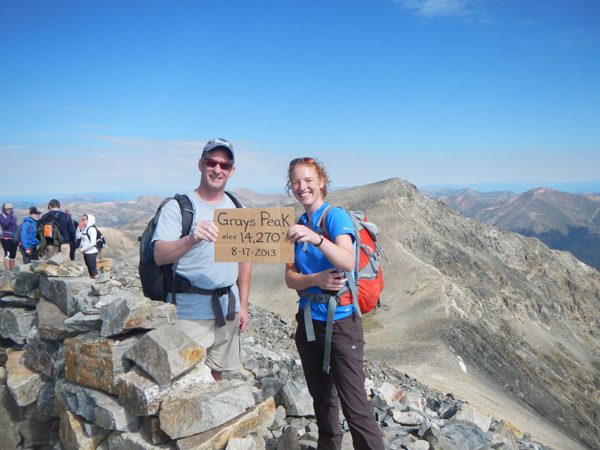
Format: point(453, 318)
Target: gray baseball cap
point(215, 143)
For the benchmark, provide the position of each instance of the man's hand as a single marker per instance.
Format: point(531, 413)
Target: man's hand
point(204, 231)
point(243, 319)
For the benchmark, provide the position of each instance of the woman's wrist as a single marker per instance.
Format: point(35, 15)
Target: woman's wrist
point(320, 242)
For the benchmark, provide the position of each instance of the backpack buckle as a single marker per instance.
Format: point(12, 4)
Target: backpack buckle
point(223, 291)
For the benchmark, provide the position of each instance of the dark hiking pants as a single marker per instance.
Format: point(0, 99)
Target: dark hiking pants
point(345, 381)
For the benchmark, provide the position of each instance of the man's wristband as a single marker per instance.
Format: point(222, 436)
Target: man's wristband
point(320, 242)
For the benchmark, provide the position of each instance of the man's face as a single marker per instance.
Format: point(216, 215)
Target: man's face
point(215, 178)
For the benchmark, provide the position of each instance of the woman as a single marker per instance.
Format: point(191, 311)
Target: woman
point(28, 240)
point(88, 244)
point(318, 270)
point(8, 220)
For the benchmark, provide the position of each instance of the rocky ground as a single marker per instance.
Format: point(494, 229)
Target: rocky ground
point(274, 332)
point(55, 392)
point(432, 410)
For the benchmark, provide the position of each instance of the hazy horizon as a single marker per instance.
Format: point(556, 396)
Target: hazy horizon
point(517, 188)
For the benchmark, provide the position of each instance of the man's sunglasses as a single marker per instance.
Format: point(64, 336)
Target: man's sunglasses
point(212, 163)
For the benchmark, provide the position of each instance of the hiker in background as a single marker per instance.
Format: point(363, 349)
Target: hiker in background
point(318, 269)
point(78, 229)
point(218, 289)
point(55, 230)
point(74, 244)
point(29, 242)
point(88, 244)
point(8, 223)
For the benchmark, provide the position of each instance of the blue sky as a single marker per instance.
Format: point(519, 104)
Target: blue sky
point(122, 95)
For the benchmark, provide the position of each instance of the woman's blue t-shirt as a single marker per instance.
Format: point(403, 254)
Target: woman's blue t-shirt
point(337, 222)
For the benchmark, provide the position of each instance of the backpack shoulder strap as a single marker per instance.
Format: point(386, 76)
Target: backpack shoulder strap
point(235, 201)
point(187, 213)
point(322, 228)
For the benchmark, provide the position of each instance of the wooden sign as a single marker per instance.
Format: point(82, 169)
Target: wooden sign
point(254, 235)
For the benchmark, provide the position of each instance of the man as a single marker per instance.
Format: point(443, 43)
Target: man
point(65, 227)
point(201, 314)
point(73, 245)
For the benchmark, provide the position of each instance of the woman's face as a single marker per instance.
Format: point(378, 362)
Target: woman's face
point(307, 184)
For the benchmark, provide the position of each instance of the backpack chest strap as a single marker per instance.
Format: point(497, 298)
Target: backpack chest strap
point(310, 331)
point(216, 303)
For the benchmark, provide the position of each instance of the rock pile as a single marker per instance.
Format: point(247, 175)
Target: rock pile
point(89, 364)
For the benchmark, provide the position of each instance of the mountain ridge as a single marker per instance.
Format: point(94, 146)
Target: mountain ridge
point(514, 312)
point(563, 221)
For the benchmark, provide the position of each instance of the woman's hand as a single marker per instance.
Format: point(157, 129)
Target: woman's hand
point(331, 280)
point(300, 233)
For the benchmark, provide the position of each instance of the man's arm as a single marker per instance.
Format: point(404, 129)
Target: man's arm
point(243, 282)
point(167, 252)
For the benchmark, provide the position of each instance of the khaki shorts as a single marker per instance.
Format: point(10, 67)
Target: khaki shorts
point(222, 345)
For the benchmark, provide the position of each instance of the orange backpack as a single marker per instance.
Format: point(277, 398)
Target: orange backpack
point(367, 271)
point(364, 292)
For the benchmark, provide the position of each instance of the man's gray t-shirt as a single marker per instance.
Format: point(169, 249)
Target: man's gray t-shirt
point(198, 265)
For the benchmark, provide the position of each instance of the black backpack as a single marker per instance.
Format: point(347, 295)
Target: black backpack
point(157, 280)
point(17, 234)
point(100, 241)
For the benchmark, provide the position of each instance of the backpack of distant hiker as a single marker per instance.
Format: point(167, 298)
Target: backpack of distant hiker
point(157, 281)
point(100, 241)
point(49, 230)
point(365, 291)
point(17, 234)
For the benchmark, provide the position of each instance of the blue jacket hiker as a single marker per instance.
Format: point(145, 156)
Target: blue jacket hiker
point(28, 239)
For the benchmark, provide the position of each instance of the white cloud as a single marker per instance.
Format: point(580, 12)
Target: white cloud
point(577, 38)
point(437, 8)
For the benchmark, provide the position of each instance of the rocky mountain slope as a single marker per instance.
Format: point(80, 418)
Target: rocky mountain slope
point(472, 309)
point(562, 221)
point(459, 292)
point(83, 365)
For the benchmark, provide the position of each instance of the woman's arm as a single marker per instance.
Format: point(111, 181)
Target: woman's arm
point(340, 252)
point(331, 279)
